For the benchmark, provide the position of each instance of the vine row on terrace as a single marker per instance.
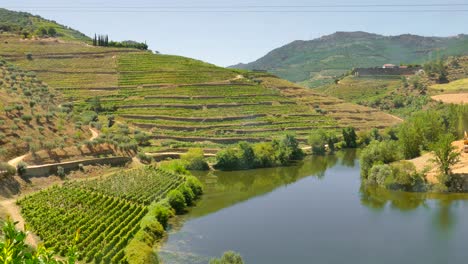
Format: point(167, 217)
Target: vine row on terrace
point(106, 211)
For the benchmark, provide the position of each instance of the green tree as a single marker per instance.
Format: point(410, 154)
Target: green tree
point(350, 137)
point(445, 153)
point(51, 31)
point(229, 257)
point(177, 201)
point(317, 140)
point(195, 159)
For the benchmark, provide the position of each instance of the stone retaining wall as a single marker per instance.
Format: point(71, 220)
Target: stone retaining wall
point(50, 169)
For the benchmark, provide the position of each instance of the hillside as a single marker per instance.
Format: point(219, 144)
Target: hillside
point(27, 25)
point(402, 95)
point(180, 101)
point(30, 118)
point(319, 61)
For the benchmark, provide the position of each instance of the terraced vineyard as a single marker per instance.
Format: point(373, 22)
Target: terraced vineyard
point(106, 212)
point(181, 99)
point(145, 68)
point(143, 186)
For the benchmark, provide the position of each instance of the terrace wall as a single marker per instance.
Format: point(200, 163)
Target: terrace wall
point(49, 169)
point(385, 71)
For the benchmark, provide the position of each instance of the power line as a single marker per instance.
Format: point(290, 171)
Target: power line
point(257, 11)
point(244, 6)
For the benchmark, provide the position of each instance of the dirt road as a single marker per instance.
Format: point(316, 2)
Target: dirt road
point(13, 211)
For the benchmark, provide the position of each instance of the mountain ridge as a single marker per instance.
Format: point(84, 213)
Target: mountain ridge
point(320, 60)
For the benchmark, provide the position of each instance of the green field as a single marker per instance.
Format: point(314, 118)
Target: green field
point(454, 86)
point(106, 212)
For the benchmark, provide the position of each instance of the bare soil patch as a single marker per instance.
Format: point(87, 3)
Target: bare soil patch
point(424, 163)
point(458, 98)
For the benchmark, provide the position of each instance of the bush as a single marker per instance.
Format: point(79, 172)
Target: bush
point(317, 140)
point(162, 214)
point(188, 194)
point(144, 158)
point(142, 139)
point(350, 137)
point(175, 166)
point(378, 174)
point(26, 118)
point(22, 167)
point(194, 184)
point(378, 153)
point(405, 176)
point(60, 171)
point(7, 169)
point(229, 257)
point(195, 159)
point(227, 159)
point(177, 201)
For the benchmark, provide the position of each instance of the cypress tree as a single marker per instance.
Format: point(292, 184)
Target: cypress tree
point(94, 40)
point(107, 41)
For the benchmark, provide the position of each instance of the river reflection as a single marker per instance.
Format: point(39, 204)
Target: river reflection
point(317, 210)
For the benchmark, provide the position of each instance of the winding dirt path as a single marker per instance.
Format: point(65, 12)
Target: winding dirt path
point(15, 161)
point(12, 210)
point(94, 133)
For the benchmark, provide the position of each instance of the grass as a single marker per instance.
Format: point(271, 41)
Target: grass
point(454, 86)
point(148, 68)
point(359, 89)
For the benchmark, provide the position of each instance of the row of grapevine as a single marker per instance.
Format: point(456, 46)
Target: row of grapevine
point(106, 212)
point(142, 185)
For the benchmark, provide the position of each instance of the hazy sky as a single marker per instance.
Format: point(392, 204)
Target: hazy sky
point(203, 30)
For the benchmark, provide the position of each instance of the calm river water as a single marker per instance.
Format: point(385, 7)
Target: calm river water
point(317, 212)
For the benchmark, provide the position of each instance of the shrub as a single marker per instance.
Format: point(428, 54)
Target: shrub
point(317, 140)
point(144, 158)
point(177, 201)
point(350, 137)
point(60, 171)
point(405, 176)
point(176, 166)
point(195, 159)
point(162, 214)
point(188, 194)
point(22, 167)
point(142, 139)
point(378, 153)
point(194, 184)
point(229, 257)
point(7, 169)
point(227, 159)
point(378, 174)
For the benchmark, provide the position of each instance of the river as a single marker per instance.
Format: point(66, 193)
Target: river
point(317, 212)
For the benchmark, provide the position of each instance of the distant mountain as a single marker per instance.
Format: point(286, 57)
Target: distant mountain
point(318, 61)
point(29, 25)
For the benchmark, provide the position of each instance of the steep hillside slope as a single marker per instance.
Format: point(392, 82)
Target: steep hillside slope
point(30, 118)
point(319, 61)
point(27, 25)
point(180, 99)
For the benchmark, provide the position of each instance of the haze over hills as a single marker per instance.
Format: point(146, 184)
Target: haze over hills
point(319, 61)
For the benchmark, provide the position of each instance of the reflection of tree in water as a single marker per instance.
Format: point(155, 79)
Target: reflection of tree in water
point(348, 157)
point(377, 198)
point(226, 188)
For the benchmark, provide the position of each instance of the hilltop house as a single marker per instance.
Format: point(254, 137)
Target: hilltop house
point(389, 66)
